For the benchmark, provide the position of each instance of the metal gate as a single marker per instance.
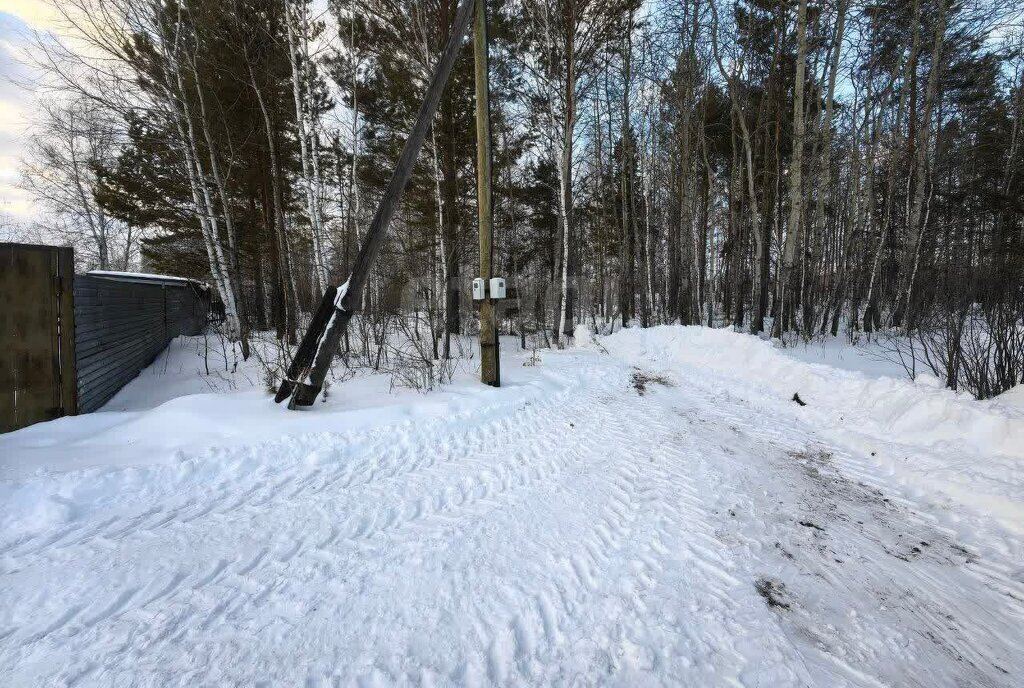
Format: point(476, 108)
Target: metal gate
point(37, 335)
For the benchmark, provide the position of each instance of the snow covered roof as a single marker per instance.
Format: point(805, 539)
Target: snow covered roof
point(144, 277)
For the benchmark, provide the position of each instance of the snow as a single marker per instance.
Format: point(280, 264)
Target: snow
point(338, 298)
point(927, 436)
point(649, 508)
point(142, 275)
point(1012, 398)
point(867, 357)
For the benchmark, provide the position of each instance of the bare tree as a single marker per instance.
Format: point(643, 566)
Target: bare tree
point(71, 141)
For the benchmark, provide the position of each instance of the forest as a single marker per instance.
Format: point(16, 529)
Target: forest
point(796, 169)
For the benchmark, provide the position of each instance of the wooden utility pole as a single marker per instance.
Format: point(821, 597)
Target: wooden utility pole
point(490, 373)
point(309, 368)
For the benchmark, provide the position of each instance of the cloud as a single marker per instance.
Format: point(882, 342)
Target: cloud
point(17, 101)
point(37, 14)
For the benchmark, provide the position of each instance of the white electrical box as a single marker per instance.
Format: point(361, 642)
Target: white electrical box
point(478, 289)
point(497, 287)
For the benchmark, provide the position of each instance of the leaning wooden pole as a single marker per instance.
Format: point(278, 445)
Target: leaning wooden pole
point(489, 371)
point(308, 370)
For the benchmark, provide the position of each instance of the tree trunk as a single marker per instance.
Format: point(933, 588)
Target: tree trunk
point(796, 198)
point(312, 205)
point(912, 248)
point(287, 279)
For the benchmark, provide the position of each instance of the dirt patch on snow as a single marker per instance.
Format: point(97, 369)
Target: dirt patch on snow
point(774, 592)
point(641, 379)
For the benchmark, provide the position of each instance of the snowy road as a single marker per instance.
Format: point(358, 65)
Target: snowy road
point(578, 531)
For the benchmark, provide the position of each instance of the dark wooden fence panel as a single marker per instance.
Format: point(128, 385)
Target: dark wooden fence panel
point(37, 335)
point(123, 323)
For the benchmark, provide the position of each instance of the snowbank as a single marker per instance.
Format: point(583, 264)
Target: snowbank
point(170, 426)
point(173, 427)
point(564, 529)
point(1012, 398)
point(867, 357)
point(918, 413)
point(971, 451)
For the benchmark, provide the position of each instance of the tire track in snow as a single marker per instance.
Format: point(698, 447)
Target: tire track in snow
point(370, 457)
point(627, 542)
point(541, 617)
point(856, 517)
point(374, 475)
point(591, 558)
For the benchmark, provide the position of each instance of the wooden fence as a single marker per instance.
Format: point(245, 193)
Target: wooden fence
point(69, 342)
point(37, 334)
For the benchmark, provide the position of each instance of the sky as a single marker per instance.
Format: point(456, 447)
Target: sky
point(20, 22)
point(19, 19)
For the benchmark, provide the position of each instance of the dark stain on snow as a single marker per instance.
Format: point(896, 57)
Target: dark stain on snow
point(773, 591)
point(641, 379)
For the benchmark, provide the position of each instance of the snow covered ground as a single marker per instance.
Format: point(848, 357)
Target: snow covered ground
point(648, 509)
point(868, 357)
